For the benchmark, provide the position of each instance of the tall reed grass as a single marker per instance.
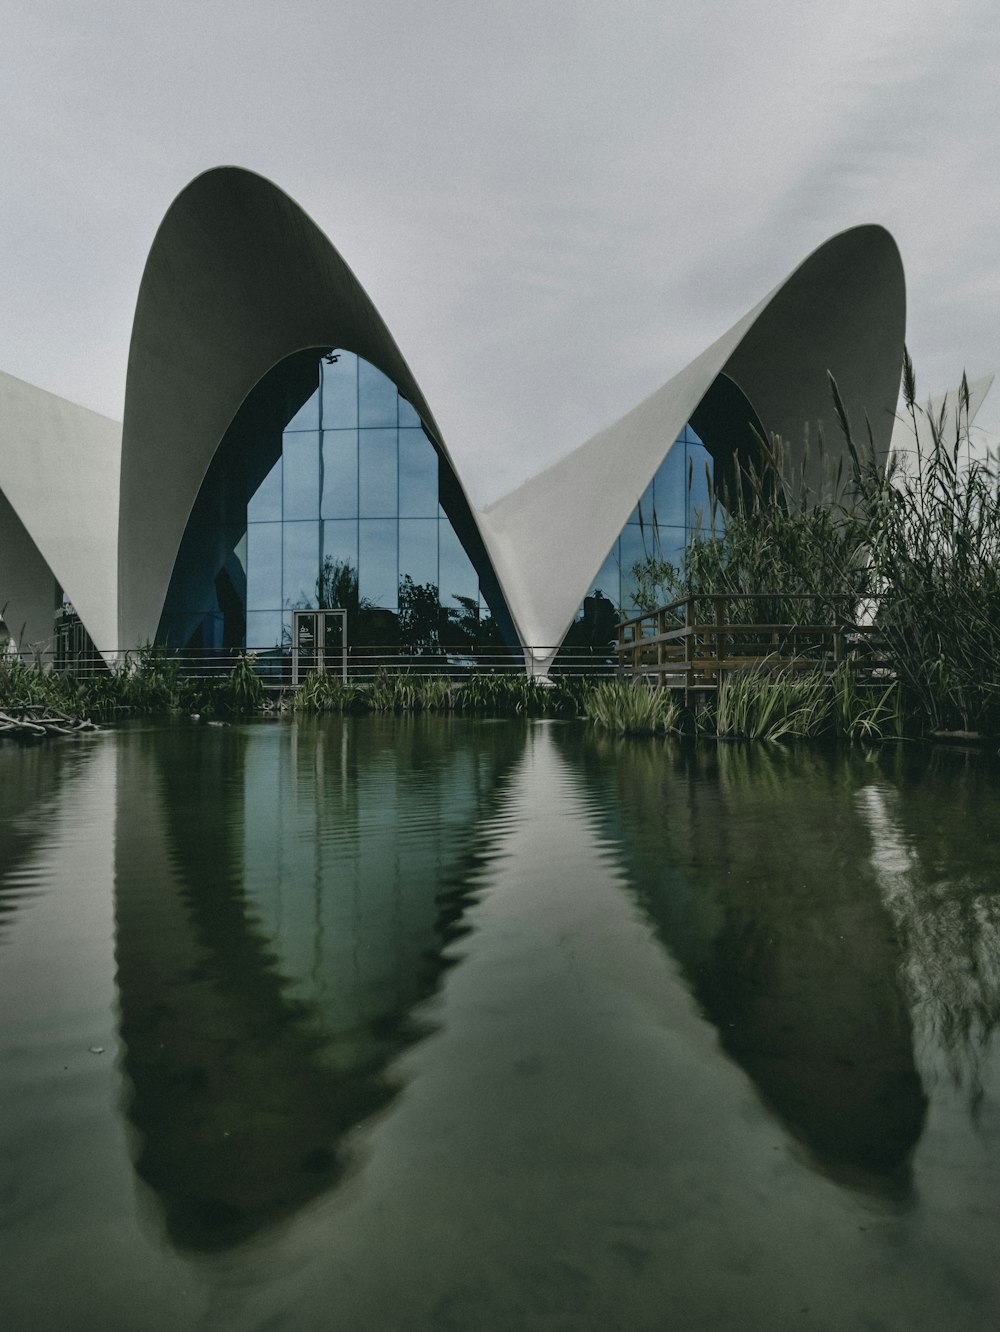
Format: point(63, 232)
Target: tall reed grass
point(913, 551)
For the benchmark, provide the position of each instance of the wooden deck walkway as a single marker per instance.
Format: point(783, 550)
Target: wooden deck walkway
point(692, 643)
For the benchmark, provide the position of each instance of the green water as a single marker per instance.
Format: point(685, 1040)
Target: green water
point(428, 1023)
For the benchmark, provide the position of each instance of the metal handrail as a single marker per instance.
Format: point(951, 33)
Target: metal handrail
point(364, 661)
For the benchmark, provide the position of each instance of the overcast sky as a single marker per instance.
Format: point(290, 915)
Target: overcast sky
point(555, 204)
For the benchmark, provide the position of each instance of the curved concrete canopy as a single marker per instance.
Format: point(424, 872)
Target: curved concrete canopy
point(946, 410)
point(238, 278)
point(842, 310)
point(58, 513)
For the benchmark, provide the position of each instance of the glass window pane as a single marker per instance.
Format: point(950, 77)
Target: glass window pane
point(700, 468)
point(418, 549)
point(633, 550)
point(377, 474)
point(407, 413)
point(301, 555)
point(263, 566)
point(340, 564)
point(301, 476)
point(340, 474)
point(670, 487)
point(672, 543)
point(418, 475)
point(376, 397)
point(378, 580)
point(263, 629)
point(607, 581)
point(339, 391)
point(265, 504)
point(645, 506)
point(307, 417)
point(458, 577)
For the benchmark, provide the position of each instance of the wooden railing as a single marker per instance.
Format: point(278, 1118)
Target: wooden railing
point(691, 643)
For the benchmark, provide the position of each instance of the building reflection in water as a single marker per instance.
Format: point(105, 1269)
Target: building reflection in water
point(285, 899)
point(756, 871)
point(35, 781)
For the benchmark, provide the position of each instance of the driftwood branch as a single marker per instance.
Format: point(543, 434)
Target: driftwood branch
point(34, 721)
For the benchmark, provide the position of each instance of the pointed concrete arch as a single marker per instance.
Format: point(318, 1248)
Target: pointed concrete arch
point(238, 279)
point(842, 310)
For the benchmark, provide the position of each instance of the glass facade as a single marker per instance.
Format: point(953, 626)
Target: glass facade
point(327, 492)
point(676, 504)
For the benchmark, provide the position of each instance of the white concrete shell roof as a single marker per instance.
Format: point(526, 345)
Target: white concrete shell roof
point(238, 278)
point(58, 513)
point(947, 411)
point(841, 311)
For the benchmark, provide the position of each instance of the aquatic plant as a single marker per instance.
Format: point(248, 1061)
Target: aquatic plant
point(403, 691)
point(912, 552)
point(633, 707)
point(932, 532)
point(502, 695)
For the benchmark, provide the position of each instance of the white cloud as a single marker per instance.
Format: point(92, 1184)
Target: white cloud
point(553, 204)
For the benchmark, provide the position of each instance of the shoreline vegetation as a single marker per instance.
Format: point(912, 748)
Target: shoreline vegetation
point(911, 547)
point(754, 705)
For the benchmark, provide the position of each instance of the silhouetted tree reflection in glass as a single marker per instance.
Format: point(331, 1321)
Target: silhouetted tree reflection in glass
point(755, 869)
point(283, 906)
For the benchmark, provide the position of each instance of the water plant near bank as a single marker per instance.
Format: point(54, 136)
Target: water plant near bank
point(909, 548)
point(632, 707)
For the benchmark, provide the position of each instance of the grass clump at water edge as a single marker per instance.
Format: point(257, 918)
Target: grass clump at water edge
point(632, 707)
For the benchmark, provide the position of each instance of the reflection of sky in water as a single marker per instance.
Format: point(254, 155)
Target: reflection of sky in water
point(458, 1024)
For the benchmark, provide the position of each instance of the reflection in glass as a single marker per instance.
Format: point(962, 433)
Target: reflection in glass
point(634, 547)
point(340, 474)
point(376, 397)
point(458, 577)
point(266, 474)
point(265, 503)
point(263, 629)
point(418, 475)
point(301, 467)
point(408, 414)
point(608, 581)
point(263, 566)
point(301, 555)
point(340, 542)
point(377, 474)
point(339, 389)
point(378, 571)
point(418, 549)
point(307, 417)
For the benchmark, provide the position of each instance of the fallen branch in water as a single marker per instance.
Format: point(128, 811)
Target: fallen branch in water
point(34, 721)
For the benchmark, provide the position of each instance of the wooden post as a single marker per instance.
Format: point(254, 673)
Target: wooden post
point(720, 620)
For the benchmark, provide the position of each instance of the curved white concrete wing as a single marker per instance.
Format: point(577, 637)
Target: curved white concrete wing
point(58, 513)
point(237, 279)
point(842, 310)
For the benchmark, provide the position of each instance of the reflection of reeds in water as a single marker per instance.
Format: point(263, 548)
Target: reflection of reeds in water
point(749, 864)
point(949, 926)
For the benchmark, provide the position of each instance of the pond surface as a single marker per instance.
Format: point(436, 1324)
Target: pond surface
point(425, 1023)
